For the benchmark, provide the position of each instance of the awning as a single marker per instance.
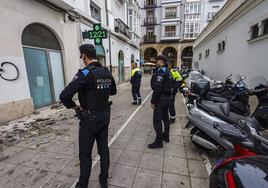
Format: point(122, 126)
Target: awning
point(100, 50)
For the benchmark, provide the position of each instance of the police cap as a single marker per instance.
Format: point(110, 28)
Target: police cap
point(89, 50)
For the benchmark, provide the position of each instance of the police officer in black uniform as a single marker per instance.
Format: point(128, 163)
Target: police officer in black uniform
point(94, 85)
point(135, 81)
point(161, 84)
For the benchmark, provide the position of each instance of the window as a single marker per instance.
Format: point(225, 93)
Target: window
point(192, 17)
point(150, 32)
point(171, 12)
point(211, 15)
point(221, 46)
point(193, 8)
point(150, 14)
point(200, 56)
point(170, 31)
point(95, 11)
point(265, 27)
point(254, 31)
point(191, 30)
point(150, 2)
point(207, 53)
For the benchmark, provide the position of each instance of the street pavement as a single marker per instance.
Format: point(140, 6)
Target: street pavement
point(51, 159)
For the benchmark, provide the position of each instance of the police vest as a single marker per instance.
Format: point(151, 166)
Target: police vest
point(136, 70)
point(167, 80)
point(96, 97)
point(176, 75)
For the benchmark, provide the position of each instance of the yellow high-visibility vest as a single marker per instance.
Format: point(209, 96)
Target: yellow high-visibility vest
point(134, 71)
point(176, 75)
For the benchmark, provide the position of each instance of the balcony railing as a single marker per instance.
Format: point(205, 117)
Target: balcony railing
point(149, 39)
point(150, 4)
point(150, 21)
point(170, 34)
point(121, 27)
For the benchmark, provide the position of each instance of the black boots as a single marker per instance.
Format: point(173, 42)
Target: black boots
point(155, 145)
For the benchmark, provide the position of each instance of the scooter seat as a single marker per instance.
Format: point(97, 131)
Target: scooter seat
point(225, 108)
point(217, 99)
point(212, 107)
point(222, 111)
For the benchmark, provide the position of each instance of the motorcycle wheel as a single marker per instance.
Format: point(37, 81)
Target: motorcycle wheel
point(198, 132)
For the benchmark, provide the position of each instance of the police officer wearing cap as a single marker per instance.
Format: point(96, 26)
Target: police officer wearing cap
point(135, 81)
point(94, 85)
point(161, 84)
point(177, 82)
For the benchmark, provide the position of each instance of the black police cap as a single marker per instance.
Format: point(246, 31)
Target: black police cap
point(162, 57)
point(89, 50)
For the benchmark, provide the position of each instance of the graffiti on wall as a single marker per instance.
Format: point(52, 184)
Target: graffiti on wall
point(9, 71)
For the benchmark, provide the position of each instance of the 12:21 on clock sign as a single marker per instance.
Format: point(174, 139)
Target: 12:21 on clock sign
point(98, 33)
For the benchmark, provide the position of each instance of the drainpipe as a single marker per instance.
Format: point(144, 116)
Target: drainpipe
point(109, 34)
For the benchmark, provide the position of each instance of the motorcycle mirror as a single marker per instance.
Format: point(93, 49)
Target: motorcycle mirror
point(243, 77)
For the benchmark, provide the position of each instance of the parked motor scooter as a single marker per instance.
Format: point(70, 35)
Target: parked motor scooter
point(203, 115)
point(245, 169)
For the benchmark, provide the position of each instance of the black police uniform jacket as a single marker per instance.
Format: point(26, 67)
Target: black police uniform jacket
point(161, 84)
point(94, 85)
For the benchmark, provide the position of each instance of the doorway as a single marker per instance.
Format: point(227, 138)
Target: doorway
point(43, 59)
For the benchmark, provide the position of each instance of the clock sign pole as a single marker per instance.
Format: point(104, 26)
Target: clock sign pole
point(98, 33)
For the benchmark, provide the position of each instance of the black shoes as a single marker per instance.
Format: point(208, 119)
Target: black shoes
point(172, 121)
point(155, 145)
point(136, 103)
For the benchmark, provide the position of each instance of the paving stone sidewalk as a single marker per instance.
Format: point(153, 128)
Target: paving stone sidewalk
point(51, 160)
point(178, 165)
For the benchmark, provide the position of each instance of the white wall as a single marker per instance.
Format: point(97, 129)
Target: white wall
point(209, 7)
point(25, 12)
point(240, 57)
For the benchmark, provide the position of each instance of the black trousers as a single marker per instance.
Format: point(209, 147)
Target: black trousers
point(136, 93)
point(92, 129)
point(171, 108)
point(161, 114)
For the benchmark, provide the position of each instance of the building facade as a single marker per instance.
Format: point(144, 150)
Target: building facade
point(170, 27)
point(40, 52)
point(235, 41)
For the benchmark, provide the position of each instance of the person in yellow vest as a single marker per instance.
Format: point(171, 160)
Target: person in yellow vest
point(136, 75)
point(177, 81)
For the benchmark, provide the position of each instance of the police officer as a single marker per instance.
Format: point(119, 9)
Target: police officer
point(135, 81)
point(94, 85)
point(177, 82)
point(161, 84)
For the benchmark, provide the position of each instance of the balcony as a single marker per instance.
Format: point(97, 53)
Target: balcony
point(149, 39)
point(121, 28)
point(170, 35)
point(63, 4)
point(150, 21)
point(150, 4)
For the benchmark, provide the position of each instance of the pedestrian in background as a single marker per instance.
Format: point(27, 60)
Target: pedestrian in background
point(161, 84)
point(177, 82)
point(94, 85)
point(136, 75)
